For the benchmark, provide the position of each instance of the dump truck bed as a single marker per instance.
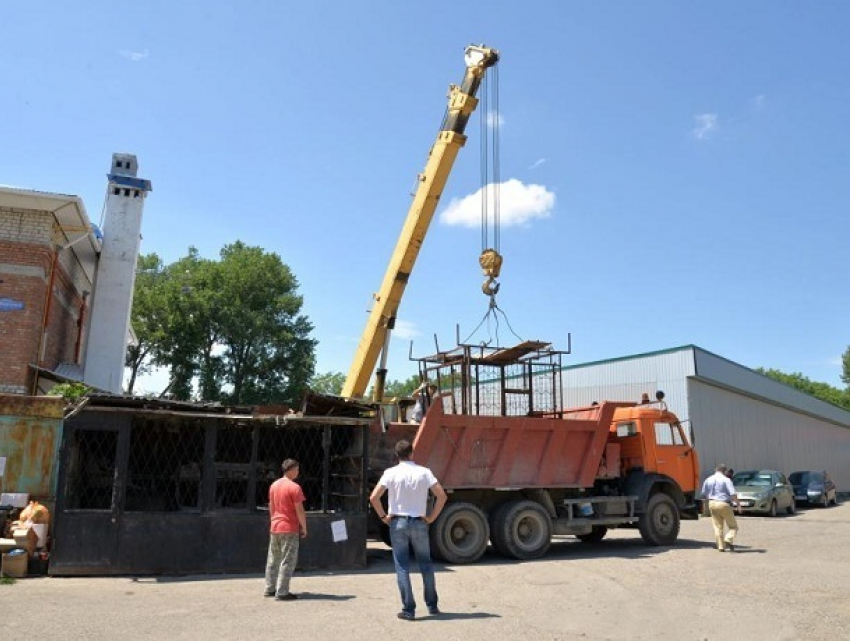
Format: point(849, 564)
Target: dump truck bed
point(503, 452)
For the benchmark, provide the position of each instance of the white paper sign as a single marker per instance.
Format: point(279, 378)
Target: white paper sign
point(338, 530)
point(2, 465)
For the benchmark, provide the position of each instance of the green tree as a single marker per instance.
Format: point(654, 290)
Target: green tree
point(147, 318)
point(845, 368)
point(402, 389)
point(184, 320)
point(268, 355)
point(823, 391)
point(232, 325)
point(328, 383)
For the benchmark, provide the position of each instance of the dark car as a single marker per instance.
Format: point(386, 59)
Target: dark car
point(814, 488)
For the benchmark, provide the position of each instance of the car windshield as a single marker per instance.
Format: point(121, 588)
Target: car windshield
point(751, 478)
point(804, 478)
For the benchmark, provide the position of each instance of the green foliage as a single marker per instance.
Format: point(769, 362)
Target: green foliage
point(233, 325)
point(845, 367)
point(402, 389)
point(823, 391)
point(328, 383)
point(71, 392)
point(7, 580)
point(149, 316)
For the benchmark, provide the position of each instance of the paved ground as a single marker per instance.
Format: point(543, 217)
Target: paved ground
point(789, 580)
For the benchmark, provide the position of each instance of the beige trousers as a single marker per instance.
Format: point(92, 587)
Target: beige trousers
point(722, 515)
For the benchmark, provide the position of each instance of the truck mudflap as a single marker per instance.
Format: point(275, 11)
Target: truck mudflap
point(690, 511)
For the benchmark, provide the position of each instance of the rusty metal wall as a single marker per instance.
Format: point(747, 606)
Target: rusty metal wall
point(30, 437)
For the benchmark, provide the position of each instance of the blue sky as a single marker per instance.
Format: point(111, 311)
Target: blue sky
point(689, 161)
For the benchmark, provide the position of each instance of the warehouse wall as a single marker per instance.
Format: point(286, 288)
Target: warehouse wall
point(739, 417)
point(747, 433)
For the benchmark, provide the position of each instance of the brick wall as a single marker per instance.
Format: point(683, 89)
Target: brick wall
point(26, 257)
point(23, 277)
point(26, 225)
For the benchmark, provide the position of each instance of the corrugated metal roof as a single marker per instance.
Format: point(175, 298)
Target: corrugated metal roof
point(731, 375)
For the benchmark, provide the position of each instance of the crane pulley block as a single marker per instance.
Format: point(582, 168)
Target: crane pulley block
point(491, 262)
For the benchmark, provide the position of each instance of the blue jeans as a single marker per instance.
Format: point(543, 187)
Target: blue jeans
point(407, 532)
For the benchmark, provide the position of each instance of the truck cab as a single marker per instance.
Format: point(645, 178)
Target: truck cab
point(656, 454)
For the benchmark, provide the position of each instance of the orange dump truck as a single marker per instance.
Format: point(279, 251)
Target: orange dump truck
point(516, 479)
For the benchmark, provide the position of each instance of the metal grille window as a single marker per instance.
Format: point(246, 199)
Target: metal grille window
point(164, 467)
point(91, 469)
point(331, 464)
point(234, 452)
point(167, 462)
point(304, 444)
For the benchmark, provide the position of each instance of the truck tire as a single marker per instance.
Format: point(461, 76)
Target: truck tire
point(659, 524)
point(522, 530)
point(460, 533)
point(594, 536)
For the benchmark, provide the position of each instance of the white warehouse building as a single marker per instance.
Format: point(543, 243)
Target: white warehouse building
point(739, 417)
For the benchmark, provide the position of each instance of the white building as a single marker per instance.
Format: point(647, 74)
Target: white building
point(739, 417)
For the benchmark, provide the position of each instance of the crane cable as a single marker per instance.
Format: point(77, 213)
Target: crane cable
point(490, 259)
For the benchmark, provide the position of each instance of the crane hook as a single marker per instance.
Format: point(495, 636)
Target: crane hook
point(491, 262)
point(490, 287)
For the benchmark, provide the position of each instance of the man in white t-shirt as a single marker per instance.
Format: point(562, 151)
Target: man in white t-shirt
point(409, 485)
point(720, 494)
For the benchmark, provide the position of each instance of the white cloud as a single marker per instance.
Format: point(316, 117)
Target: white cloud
point(494, 119)
point(537, 163)
point(518, 205)
point(405, 330)
point(706, 126)
point(135, 56)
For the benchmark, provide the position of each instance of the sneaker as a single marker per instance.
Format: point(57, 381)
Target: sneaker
point(721, 549)
point(287, 597)
point(268, 593)
point(434, 611)
point(406, 616)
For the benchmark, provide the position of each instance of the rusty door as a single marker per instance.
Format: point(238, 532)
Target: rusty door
point(88, 501)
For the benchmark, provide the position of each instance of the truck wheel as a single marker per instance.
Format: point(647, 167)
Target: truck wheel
point(659, 524)
point(460, 533)
point(523, 529)
point(594, 536)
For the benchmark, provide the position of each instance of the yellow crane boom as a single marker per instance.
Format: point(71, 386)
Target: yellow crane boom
point(431, 182)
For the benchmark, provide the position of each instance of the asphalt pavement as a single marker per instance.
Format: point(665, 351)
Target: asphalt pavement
point(787, 580)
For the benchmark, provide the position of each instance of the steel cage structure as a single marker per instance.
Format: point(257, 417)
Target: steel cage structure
point(482, 380)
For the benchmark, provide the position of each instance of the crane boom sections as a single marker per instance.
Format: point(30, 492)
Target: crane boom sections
point(431, 182)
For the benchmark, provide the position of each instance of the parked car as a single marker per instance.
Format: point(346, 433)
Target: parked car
point(764, 491)
point(814, 488)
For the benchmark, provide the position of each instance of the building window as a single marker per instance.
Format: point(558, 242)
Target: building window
point(116, 192)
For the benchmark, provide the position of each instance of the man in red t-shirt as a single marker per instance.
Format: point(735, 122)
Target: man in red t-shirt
point(288, 522)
